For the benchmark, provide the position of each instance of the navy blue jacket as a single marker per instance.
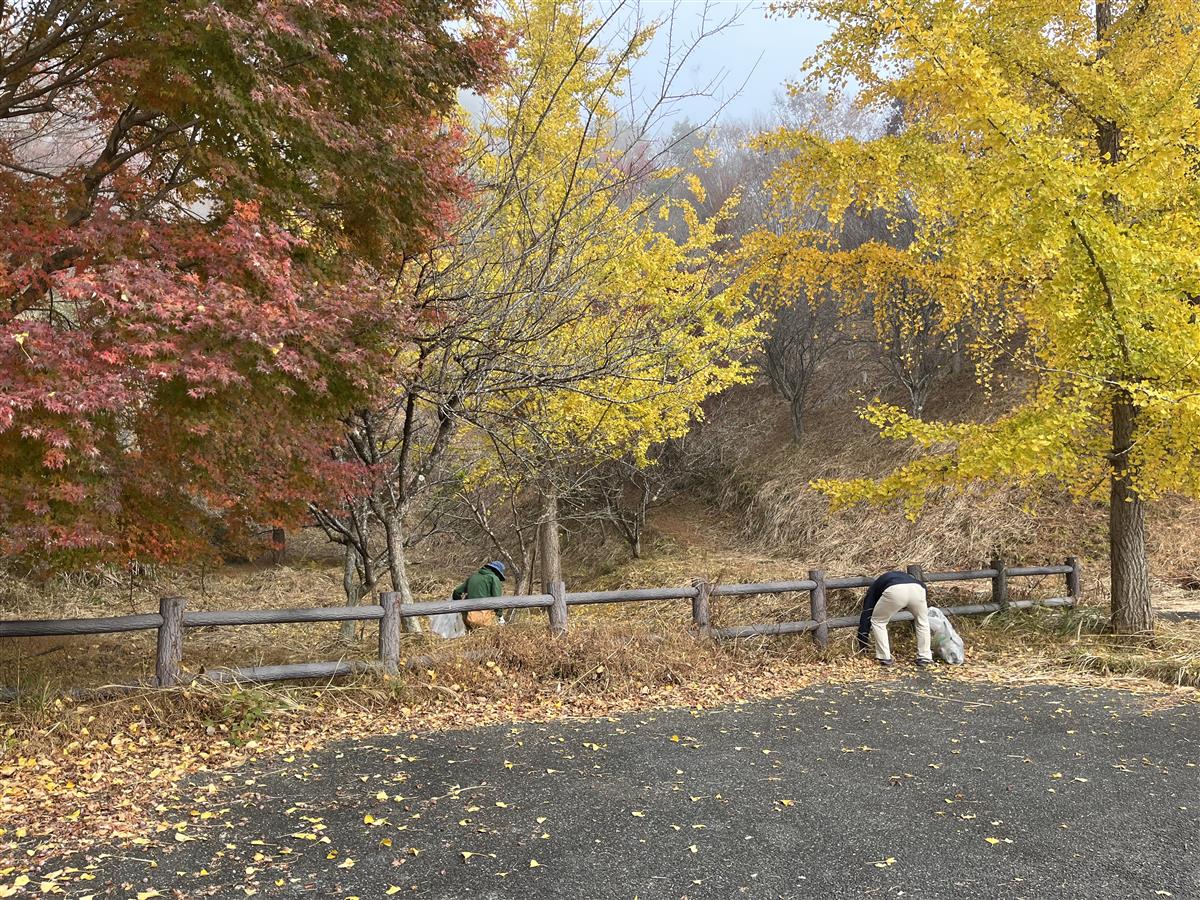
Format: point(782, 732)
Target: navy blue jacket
point(874, 592)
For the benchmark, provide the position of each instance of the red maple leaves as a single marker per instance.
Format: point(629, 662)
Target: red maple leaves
point(174, 356)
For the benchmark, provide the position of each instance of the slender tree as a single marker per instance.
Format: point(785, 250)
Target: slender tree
point(556, 318)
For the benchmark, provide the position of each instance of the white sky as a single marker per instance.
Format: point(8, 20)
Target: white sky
point(764, 52)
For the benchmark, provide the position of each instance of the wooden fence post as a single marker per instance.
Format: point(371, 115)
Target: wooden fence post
point(558, 608)
point(701, 609)
point(1073, 580)
point(169, 657)
point(389, 632)
point(999, 584)
point(817, 606)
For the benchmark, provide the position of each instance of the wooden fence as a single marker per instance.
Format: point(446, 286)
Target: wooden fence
point(173, 619)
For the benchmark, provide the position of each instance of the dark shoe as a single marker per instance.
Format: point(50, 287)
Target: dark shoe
point(924, 662)
point(884, 662)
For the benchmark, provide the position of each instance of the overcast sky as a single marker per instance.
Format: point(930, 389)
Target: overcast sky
point(763, 52)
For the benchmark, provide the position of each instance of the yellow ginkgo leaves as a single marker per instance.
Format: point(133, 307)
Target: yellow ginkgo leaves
point(1042, 155)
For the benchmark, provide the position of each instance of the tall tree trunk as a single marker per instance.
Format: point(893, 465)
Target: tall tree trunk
point(393, 529)
point(1132, 611)
point(549, 534)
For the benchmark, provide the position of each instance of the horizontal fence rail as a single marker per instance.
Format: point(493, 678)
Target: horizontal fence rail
point(172, 618)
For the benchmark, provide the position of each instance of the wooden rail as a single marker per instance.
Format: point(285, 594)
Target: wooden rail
point(173, 619)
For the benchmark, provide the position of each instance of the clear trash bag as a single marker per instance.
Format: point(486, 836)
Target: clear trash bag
point(946, 643)
point(447, 625)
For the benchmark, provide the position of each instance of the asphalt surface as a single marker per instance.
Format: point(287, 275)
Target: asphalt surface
point(918, 788)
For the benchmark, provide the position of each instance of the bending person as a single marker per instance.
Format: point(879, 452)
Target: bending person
point(888, 594)
point(487, 582)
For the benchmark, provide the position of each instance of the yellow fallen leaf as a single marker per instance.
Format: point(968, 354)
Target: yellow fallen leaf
point(534, 864)
point(992, 840)
point(393, 890)
point(639, 814)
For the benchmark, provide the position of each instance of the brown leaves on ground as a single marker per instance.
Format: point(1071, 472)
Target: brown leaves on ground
point(75, 774)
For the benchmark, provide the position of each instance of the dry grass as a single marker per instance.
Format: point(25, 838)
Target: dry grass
point(310, 576)
point(768, 494)
point(608, 662)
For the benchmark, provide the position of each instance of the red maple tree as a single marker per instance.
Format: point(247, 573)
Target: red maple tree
point(197, 200)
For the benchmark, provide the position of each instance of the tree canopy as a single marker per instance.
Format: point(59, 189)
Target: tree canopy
point(1048, 150)
point(198, 198)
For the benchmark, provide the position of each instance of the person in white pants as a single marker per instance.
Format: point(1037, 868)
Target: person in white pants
point(888, 595)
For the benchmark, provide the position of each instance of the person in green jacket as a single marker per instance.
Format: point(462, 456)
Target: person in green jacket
point(487, 582)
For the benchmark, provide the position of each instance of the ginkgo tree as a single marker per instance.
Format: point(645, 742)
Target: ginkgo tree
point(562, 323)
point(644, 323)
point(1049, 149)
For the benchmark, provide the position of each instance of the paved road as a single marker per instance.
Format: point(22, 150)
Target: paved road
point(919, 788)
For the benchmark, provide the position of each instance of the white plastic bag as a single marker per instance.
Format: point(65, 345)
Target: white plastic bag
point(946, 643)
point(447, 625)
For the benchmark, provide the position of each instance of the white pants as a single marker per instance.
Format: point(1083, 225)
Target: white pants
point(894, 599)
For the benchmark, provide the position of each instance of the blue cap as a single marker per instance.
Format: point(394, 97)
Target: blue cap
point(498, 566)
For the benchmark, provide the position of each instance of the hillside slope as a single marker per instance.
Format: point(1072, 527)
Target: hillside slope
point(752, 498)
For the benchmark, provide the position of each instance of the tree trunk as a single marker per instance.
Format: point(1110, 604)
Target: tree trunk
point(393, 529)
point(1132, 611)
point(524, 578)
point(796, 408)
point(351, 587)
point(551, 560)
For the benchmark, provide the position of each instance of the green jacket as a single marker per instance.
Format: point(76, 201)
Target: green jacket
point(484, 583)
